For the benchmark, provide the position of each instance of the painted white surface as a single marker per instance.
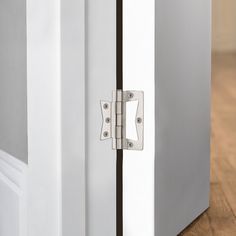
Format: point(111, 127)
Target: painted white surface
point(100, 82)
point(73, 117)
point(177, 114)
point(46, 135)
point(44, 117)
point(13, 196)
point(139, 68)
point(13, 82)
point(44, 80)
point(182, 83)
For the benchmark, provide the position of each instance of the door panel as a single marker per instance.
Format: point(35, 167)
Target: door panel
point(183, 51)
point(13, 71)
point(177, 114)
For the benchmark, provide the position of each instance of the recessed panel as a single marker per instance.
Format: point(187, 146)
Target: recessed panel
point(13, 78)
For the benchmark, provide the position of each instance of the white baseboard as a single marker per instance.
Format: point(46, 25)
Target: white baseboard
point(13, 196)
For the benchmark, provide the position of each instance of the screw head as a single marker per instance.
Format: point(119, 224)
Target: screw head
point(108, 120)
point(130, 95)
point(105, 134)
point(139, 120)
point(105, 106)
point(130, 145)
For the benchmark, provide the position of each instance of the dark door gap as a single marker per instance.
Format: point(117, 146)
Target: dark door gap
point(119, 85)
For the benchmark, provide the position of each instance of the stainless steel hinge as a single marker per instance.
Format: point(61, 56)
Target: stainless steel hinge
point(114, 120)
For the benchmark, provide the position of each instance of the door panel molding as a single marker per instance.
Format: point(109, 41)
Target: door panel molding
point(13, 196)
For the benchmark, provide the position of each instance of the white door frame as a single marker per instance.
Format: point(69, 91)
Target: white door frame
point(44, 118)
point(56, 121)
point(73, 117)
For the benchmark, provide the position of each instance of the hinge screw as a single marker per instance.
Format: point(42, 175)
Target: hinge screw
point(139, 120)
point(108, 120)
point(105, 106)
point(105, 134)
point(130, 95)
point(130, 145)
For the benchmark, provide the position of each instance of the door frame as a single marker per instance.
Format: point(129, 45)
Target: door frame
point(56, 117)
point(44, 118)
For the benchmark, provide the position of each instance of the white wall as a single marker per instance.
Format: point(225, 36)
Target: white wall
point(224, 25)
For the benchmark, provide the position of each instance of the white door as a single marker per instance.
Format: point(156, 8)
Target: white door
point(167, 54)
point(30, 119)
point(77, 53)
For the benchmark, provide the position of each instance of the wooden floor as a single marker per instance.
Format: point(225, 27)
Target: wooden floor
point(220, 219)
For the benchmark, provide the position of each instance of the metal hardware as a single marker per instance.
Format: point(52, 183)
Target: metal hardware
point(114, 120)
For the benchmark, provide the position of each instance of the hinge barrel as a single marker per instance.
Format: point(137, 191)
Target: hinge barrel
point(118, 113)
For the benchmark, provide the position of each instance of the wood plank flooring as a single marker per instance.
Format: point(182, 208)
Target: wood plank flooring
point(220, 219)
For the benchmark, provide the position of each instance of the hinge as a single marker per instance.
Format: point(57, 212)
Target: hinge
point(114, 120)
